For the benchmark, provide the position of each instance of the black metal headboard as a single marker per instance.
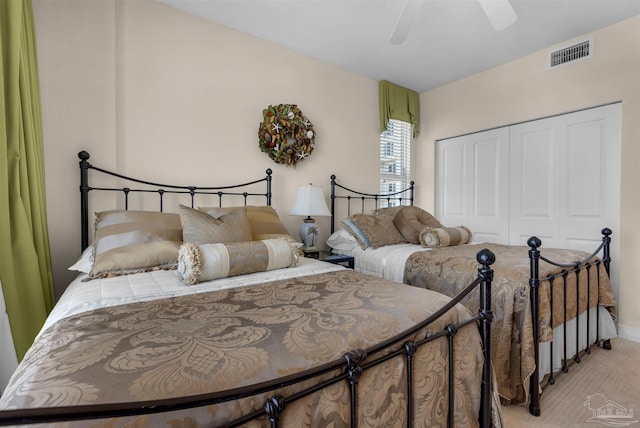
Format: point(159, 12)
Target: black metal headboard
point(160, 189)
point(401, 197)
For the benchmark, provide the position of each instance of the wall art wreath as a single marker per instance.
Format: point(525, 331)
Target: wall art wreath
point(286, 134)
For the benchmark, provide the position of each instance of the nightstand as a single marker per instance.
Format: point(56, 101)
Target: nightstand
point(337, 259)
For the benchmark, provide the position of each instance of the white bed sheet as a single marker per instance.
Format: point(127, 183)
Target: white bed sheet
point(384, 262)
point(389, 261)
point(81, 296)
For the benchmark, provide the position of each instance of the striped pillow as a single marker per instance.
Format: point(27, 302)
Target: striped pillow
point(434, 237)
point(135, 241)
point(198, 263)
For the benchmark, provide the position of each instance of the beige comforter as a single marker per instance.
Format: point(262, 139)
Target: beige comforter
point(448, 270)
point(231, 338)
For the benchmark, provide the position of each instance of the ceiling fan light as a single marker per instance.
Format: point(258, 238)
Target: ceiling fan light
point(500, 13)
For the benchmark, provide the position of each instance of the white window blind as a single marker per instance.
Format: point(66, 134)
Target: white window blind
point(395, 158)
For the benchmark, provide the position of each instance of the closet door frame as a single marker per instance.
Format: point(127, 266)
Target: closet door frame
point(465, 175)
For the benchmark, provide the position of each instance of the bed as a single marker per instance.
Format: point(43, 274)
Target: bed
point(182, 344)
point(528, 280)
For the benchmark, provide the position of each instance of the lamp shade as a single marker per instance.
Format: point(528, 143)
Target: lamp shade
point(310, 202)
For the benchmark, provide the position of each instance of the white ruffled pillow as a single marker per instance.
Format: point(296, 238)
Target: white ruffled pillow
point(341, 239)
point(85, 262)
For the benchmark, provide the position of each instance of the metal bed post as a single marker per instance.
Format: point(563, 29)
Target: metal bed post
point(486, 259)
point(84, 197)
point(606, 259)
point(268, 178)
point(534, 282)
point(333, 202)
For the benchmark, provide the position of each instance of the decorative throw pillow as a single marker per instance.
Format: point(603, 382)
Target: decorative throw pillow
point(434, 237)
point(85, 262)
point(264, 220)
point(410, 221)
point(198, 263)
point(378, 228)
point(342, 240)
point(198, 227)
point(135, 241)
point(354, 230)
point(390, 211)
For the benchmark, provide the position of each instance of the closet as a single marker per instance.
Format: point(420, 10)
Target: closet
point(557, 178)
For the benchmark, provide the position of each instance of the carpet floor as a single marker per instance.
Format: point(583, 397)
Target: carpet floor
point(604, 378)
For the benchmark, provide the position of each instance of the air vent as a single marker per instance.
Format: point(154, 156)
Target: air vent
point(582, 49)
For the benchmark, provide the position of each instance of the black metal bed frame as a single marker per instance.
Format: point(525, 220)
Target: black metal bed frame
point(400, 197)
point(407, 195)
point(348, 369)
point(568, 269)
point(160, 189)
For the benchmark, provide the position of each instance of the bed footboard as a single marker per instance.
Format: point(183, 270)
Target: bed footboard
point(558, 282)
point(349, 369)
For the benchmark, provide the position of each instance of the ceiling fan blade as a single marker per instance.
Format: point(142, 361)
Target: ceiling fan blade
point(500, 13)
point(405, 22)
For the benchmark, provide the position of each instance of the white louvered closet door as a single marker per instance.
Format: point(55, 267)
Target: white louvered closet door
point(556, 178)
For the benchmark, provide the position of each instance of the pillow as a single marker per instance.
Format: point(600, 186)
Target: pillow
point(341, 239)
point(198, 227)
point(410, 221)
point(135, 241)
point(357, 233)
point(85, 262)
point(434, 237)
point(378, 228)
point(197, 263)
point(390, 211)
point(264, 220)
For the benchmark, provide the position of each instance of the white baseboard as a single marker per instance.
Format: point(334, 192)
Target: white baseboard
point(629, 333)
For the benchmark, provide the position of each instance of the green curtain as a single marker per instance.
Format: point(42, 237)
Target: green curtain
point(25, 259)
point(399, 103)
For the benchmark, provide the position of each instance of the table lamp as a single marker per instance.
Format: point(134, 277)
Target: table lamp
point(310, 202)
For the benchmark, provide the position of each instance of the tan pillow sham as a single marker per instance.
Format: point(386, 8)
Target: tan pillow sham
point(198, 227)
point(135, 241)
point(434, 237)
point(264, 220)
point(378, 228)
point(411, 220)
point(198, 263)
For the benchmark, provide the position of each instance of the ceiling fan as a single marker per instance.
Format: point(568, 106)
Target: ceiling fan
point(499, 12)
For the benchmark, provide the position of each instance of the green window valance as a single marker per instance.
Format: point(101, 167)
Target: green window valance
point(399, 103)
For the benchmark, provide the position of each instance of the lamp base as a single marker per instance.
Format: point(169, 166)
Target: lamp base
point(309, 233)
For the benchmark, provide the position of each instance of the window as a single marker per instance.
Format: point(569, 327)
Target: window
point(395, 158)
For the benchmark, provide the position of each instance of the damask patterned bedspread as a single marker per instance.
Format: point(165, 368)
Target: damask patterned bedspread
point(230, 338)
point(449, 269)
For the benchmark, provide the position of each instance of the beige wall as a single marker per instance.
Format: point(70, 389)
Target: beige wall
point(159, 94)
point(524, 90)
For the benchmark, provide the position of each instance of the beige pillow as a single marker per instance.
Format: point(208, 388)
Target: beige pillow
point(411, 220)
point(434, 237)
point(197, 263)
point(264, 220)
point(378, 228)
point(135, 241)
point(390, 211)
point(198, 227)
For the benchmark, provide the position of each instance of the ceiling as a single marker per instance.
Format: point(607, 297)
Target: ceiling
point(447, 39)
